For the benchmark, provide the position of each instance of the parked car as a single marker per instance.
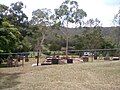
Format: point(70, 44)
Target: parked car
point(87, 53)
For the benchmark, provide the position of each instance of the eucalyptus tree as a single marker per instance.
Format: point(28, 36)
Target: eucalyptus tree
point(117, 18)
point(117, 32)
point(16, 14)
point(93, 22)
point(68, 14)
point(41, 18)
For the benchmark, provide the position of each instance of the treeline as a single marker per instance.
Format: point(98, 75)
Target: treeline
point(49, 30)
point(13, 28)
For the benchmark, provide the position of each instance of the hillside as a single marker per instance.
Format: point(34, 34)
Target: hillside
point(106, 31)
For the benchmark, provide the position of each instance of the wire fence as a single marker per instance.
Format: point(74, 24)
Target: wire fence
point(20, 53)
point(32, 54)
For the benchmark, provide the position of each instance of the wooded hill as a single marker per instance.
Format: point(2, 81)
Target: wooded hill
point(106, 32)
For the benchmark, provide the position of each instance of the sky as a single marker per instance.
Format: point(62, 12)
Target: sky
point(104, 10)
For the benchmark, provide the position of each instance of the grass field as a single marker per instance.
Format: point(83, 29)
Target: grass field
point(97, 75)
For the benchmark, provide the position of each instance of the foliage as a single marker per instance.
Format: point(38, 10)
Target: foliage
point(54, 47)
point(68, 13)
point(17, 34)
point(16, 15)
point(117, 18)
point(41, 20)
point(92, 40)
point(13, 27)
point(25, 45)
point(3, 11)
point(9, 37)
point(93, 23)
point(117, 32)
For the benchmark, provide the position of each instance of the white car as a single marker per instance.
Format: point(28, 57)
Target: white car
point(87, 53)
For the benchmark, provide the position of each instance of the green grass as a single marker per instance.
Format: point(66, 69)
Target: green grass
point(97, 75)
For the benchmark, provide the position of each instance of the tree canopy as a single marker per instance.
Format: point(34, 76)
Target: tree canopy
point(53, 29)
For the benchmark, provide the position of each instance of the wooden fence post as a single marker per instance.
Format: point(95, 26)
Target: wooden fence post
point(38, 54)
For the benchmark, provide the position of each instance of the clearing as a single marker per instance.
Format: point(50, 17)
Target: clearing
point(97, 75)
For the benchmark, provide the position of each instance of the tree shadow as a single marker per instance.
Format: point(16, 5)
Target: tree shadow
point(9, 80)
point(3, 65)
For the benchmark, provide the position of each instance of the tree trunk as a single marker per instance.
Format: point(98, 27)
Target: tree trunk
point(118, 45)
point(66, 39)
point(40, 46)
point(41, 43)
point(66, 47)
point(67, 35)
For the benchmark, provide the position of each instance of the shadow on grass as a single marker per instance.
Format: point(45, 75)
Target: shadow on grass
point(3, 65)
point(8, 80)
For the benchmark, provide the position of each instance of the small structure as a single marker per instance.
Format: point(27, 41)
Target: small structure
point(69, 60)
point(14, 58)
point(115, 58)
point(55, 61)
point(106, 58)
point(85, 58)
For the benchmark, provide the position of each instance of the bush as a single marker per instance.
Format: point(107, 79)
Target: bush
point(47, 52)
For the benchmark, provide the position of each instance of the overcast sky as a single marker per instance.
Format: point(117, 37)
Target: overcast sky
point(104, 10)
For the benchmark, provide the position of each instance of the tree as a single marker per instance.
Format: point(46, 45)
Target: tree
point(91, 37)
point(117, 18)
point(19, 19)
point(13, 17)
point(117, 22)
point(16, 15)
point(55, 42)
point(26, 45)
point(66, 15)
point(3, 12)
point(9, 37)
point(41, 19)
point(92, 40)
point(93, 23)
